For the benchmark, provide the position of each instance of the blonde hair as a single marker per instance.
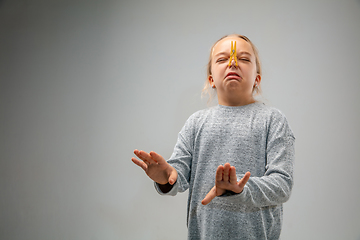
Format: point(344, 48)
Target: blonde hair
point(207, 90)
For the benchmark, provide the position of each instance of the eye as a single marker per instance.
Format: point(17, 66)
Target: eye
point(244, 59)
point(221, 60)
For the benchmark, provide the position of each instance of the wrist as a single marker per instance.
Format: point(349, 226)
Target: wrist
point(165, 188)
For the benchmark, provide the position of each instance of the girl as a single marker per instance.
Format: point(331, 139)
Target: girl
point(219, 145)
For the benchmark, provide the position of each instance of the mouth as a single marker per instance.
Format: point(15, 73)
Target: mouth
point(233, 75)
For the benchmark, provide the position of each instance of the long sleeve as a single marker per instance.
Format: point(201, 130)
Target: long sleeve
point(254, 138)
point(275, 186)
point(181, 159)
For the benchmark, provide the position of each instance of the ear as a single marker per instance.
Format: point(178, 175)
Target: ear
point(258, 79)
point(211, 81)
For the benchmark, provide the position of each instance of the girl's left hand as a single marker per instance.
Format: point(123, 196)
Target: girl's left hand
point(226, 180)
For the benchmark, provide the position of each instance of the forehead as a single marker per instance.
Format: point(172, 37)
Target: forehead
point(224, 45)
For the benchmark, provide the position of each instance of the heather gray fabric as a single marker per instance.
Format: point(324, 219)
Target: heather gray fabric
point(254, 138)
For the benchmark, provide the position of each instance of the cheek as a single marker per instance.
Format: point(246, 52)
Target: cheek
point(221, 67)
point(250, 70)
point(215, 69)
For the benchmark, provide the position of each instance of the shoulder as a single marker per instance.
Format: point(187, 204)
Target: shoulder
point(269, 111)
point(271, 114)
point(276, 120)
point(198, 119)
point(201, 115)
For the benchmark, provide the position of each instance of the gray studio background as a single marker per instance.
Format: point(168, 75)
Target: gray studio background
point(84, 83)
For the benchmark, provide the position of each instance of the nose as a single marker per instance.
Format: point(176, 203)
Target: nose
point(232, 63)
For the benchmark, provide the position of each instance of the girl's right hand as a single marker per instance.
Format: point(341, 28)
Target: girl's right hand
point(155, 167)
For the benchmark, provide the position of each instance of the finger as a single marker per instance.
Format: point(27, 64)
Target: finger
point(173, 177)
point(244, 180)
point(233, 178)
point(226, 172)
point(137, 153)
point(139, 163)
point(210, 196)
point(219, 173)
point(157, 157)
point(145, 157)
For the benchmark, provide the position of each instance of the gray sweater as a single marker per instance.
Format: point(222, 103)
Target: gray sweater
point(254, 138)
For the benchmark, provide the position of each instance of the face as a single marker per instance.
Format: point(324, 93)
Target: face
point(234, 83)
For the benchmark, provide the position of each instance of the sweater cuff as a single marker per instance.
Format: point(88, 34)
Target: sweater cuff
point(172, 192)
point(236, 197)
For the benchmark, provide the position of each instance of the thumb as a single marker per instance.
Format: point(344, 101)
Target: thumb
point(210, 196)
point(244, 180)
point(173, 176)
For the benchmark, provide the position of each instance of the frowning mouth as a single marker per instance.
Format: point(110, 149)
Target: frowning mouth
point(233, 75)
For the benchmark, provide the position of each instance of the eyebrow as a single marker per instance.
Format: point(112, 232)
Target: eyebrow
point(239, 53)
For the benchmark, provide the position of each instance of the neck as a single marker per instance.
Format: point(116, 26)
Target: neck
point(234, 102)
